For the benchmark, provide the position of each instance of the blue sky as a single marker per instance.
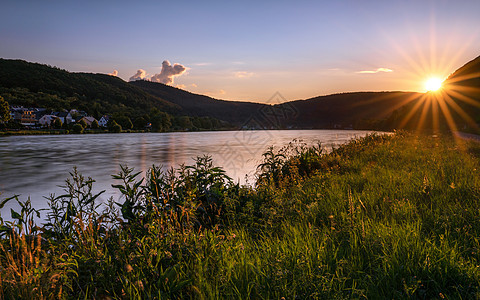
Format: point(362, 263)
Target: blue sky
point(248, 50)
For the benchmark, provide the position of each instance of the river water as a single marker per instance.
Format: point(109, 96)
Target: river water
point(36, 166)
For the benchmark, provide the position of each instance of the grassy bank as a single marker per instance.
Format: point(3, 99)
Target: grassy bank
point(381, 217)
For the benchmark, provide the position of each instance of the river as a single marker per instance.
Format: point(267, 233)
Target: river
point(36, 166)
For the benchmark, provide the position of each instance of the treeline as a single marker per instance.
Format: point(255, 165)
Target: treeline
point(158, 121)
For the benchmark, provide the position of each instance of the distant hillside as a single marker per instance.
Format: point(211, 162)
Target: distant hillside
point(364, 110)
point(234, 112)
point(32, 84)
point(358, 110)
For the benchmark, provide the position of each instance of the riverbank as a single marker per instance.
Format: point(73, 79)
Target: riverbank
point(381, 217)
point(86, 131)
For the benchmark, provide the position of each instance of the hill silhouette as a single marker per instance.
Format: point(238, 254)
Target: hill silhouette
point(367, 110)
point(235, 112)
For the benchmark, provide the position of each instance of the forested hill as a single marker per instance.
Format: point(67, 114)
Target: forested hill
point(368, 110)
point(463, 88)
point(235, 112)
point(37, 85)
point(466, 80)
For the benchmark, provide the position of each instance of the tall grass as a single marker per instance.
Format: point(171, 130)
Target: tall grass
point(381, 217)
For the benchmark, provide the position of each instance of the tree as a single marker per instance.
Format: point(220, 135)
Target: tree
point(57, 123)
point(77, 128)
point(95, 124)
point(161, 122)
point(4, 111)
point(124, 121)
point(83, 123)
point(184, 122)
point(114, 127)
point(140, 123)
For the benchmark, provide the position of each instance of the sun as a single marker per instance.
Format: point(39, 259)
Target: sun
point(433, 84)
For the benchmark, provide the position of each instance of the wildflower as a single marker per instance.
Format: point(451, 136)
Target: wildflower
point(128, 268)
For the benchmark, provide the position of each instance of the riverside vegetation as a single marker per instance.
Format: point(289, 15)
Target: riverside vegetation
point(382, 217)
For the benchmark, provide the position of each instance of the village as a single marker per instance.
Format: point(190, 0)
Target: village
point(36, 118)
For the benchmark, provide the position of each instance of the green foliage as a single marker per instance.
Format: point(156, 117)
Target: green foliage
point(4, 111)
point(114, 126)
point(383, 217)
point(77, 128)
point(124, 121)
point(140, 123)
point(160, 122)
point(95, 124)
point(83, 123)
point(57, 123)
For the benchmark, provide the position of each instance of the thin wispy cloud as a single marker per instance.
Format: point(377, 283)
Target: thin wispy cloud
point(386, 70)
point(217, 93)
point(202, 64)
point(243, 74)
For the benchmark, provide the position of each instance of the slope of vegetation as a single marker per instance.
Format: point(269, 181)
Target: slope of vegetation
point(382, 217)
point(235, 112)
point(36, 85)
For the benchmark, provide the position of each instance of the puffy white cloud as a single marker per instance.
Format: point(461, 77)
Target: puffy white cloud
point(114, 73)
point(140, 75)
point(168, 72)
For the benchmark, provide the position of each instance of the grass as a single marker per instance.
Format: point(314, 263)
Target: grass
point(381, 217)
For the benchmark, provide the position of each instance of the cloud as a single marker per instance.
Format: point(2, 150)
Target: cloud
point(168, 72)
point(376, 71)
point(243, 74)
point(180, 86)
point(140, 75)
point(217, 93)
point(194, 85)
point(114, 73)
point(201, 64)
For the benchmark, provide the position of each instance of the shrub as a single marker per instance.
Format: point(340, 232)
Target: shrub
point(77, 128)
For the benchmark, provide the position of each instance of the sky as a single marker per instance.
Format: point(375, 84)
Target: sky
point(249, 50)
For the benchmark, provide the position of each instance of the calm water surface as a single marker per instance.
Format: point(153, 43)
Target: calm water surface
point(36, 166)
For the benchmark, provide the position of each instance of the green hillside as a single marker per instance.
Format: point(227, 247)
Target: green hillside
point(235, 112)
point(36, 85)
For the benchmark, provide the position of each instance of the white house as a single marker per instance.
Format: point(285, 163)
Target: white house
point(64, 116)
point(47, 120)
point(103, 121)
point(88, 120)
